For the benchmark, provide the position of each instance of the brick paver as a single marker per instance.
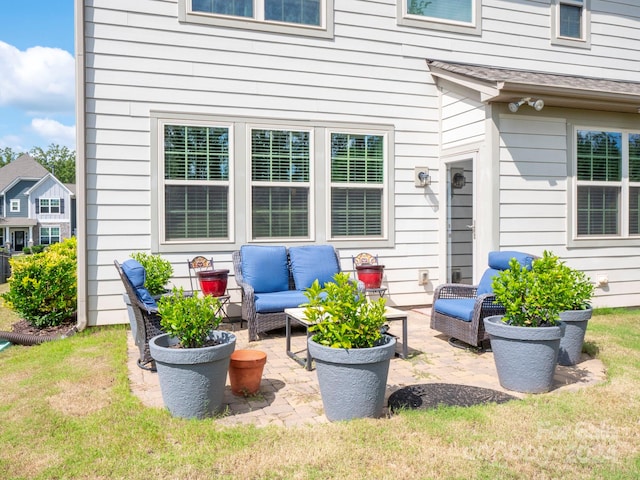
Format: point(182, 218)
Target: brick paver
point(289, 394)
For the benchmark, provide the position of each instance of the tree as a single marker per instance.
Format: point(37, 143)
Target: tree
point(8, 155)
point(58, 160)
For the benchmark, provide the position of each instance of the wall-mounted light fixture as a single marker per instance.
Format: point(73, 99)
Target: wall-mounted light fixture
point(421, 177)
point(458, 180)
point(536, 104)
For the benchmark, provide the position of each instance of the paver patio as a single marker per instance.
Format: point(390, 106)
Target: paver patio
point(289, 394)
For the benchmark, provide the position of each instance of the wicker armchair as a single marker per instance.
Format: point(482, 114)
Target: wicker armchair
point(147, 321)
point(276, 280)
point(459, 310)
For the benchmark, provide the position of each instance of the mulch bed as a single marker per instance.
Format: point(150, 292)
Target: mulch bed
point(66, 328)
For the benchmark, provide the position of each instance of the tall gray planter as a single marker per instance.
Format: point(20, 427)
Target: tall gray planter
point(352, 381)
point(192, 380)
point(571, 344)
point(132, 318)
point(525, 357)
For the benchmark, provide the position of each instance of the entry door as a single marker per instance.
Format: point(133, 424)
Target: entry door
point(18, 240)
point(460, 224)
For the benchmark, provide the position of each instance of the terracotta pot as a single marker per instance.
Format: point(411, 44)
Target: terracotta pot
point(245, 371)
point(213, 282)
point(370, 275)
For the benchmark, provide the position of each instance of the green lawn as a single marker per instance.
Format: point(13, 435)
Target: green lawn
point(66, 412)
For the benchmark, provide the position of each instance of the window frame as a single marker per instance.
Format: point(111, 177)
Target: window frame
point(624, 185)
point(324, 30)
point(239, 203)
point(162, 182)
point(49, 228)
point(14, 205)
point(358, 186)
point(585, 24)
point(251, 183)
point(433, 23)
point(49, 207)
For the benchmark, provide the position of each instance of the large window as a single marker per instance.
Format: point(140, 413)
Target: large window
point(301, 17)
point(244, 180)
point(305, 12)
point(196, 182)
point(48, 205)
point(449, 15)
point(280, 183)
point(49, 235)
point(608, 183)
point(357, 185)
point(570, 21)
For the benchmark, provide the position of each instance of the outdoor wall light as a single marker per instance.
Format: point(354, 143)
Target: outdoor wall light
point(458, 180)
point(422, 177)
point(536, 104)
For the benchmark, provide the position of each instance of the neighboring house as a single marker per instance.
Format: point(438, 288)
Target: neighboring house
point(35, 208)
point(408, 129)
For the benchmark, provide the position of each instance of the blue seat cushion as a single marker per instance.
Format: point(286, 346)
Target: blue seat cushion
point(136, 274)
point(265, 268)
point(278, 301)
point(311, 262)
point(500, 261)
point(460, 308)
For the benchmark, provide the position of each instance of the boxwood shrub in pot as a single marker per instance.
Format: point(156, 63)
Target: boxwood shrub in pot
point(351, 353)
point(525, 341)
point(158, 271)
point(192, 357)
point(576, 290)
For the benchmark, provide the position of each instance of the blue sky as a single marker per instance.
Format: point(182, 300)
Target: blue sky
point(37, 90)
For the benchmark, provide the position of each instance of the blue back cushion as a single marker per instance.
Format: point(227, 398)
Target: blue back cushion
point(312, 262)
point(500, 261)
point(137, 275)
point(265, 268)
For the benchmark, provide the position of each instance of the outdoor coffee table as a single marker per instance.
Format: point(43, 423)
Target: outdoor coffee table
point(297, 316)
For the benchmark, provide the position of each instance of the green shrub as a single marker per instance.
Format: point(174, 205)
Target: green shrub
point(37, 249)
point(159, 271)
point(43, 287)
point(189, 318)
point(341, 316)
point(26, 250)
point(535, 297)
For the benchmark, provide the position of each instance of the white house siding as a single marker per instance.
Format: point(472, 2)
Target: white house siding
point(140, 59)
point(533, 201)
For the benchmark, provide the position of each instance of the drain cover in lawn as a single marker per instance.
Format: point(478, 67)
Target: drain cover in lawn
point(432, 395)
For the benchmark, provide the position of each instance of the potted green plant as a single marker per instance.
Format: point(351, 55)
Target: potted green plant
point(526, 339)
point(158, 271)
point(576, 311)
point(351, 352)
point(192, 357)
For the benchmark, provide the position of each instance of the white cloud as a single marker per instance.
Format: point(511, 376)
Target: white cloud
point(39, 79)
point(53, 131)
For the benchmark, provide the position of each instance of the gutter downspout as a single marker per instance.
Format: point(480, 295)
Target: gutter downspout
point(81, 209)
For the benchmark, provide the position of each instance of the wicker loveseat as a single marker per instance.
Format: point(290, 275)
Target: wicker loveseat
point(459, 310)
point(272, 278)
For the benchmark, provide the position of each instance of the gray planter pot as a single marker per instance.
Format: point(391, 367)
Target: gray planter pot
point(571, 344)
point(352, 381)
point(132, 318)
point(192, 380)
point(525, 357)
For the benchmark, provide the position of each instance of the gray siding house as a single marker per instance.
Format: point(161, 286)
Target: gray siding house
point(427, 133)
point(35, 207)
